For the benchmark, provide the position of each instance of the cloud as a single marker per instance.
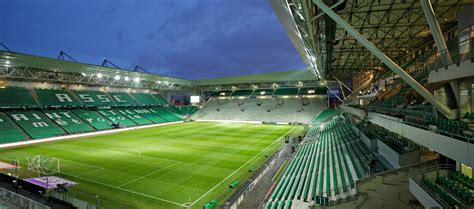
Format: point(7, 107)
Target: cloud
point(192, 39)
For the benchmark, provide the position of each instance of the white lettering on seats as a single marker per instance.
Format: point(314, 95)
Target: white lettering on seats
point(76, 121)
point(85, 97)
point(61, 122)
point(118, 98)
point(52, 115)
point(64, 97)
point(40, 124)
point(36, 116)
point(19, 117)
point(103, 98)
point(65, 114)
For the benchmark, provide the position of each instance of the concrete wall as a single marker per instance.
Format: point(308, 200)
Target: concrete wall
point(455, 149)
point(421, 195)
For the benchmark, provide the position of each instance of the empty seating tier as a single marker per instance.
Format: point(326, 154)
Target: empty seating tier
point(122, 99)
point(9, 131)
point(93, 118)
point(68, 121)
point(145, 99)
point(56, 98)
point(16, 97)
point(122, 108)
point(160, 99)
point(94, 98)
point(116, 117)
point(132, 115)
point(149, 114)
point(326, 167)
point(167, 114)
point(36, 124)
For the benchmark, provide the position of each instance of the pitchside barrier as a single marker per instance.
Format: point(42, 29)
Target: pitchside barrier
point(41, 166)
point(19, 200)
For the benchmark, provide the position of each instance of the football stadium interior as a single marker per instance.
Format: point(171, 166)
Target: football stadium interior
point(382, 117)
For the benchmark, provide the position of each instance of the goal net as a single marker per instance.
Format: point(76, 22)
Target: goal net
point(43, 164)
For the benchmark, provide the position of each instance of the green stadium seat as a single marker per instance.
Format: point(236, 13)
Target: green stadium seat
point(145, 99)
point(325, 166)
point(93, 118)
point(68, 121)
point(22, 98)
point(167, 114)
point(56, 98)
point(36, 124)
point(149, 114)
point(132, 115)
point(160, 99)
point(117, 117)
point(94, 98)
point(9, 131)
point(122, 99)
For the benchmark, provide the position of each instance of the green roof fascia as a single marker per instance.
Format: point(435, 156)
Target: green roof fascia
point(13, 59)
point(293, 75)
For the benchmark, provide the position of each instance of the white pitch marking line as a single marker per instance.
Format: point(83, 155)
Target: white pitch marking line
point(148, 175)
point(111, 186)
point(127, 190)
point(230, 175)
point(127, 153)
point(87, 172)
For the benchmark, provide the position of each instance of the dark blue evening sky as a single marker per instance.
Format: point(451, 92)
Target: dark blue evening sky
point(192, 39)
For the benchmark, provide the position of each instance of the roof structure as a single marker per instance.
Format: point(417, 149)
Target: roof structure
point(396, 27)
point(37, 68)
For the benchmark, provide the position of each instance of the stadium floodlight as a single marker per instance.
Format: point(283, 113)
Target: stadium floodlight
point(7, 62)
point(136, 80)
point(117, 77)
point(83, 74)
point(126, 78)
point(99, 75)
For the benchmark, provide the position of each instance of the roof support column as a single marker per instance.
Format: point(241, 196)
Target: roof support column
point(351, 96)
point(441, 45)
point(386, 60)
point(436, 32)
point(342, 83)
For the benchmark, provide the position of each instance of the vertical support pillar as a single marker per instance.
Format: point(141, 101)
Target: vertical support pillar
point(436, 32)
point(386, 60)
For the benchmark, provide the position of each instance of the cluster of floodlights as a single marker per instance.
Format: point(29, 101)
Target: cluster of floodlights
point(116, 77)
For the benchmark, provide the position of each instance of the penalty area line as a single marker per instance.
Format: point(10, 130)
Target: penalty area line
point(126, 190)
point(154, 172)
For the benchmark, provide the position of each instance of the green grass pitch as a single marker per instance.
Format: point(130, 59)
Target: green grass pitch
point(161, 167)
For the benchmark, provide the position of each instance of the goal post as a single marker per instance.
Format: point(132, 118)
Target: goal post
point(44, 165)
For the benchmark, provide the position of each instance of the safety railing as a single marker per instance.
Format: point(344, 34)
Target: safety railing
point(464, 51)
point(19, 200)
point(418, 178)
